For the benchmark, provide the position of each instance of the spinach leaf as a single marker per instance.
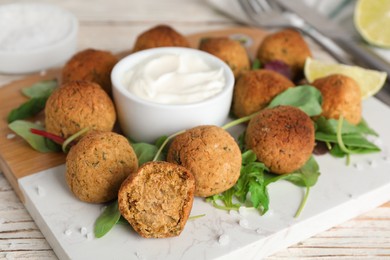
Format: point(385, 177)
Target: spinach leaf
point(30, 108)
point(38, 94)
point(306, 176)
point(330, 126)
point(39, 143)
point(305, 97)
point(145, 152)
point(254, 180)
point(107, 220)
point(352, 141)
point(40, 89)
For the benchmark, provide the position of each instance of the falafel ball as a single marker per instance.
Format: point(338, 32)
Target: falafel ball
point(341, 95)
point(232, 52)
point(157, 199)
point(287, 46)
point(160, 36)
point(281, 137)
point(211, 154)
point(255, 89)
point(91, 65)
point(76, 105)
point(98, 164)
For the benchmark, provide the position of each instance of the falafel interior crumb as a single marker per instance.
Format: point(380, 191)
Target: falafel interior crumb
point(158, 200)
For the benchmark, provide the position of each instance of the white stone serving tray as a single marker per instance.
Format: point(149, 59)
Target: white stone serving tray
point(342, 192)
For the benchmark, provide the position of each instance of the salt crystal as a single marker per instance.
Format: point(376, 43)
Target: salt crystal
point(68, 232)
point(373, 163)
point(259, 231)
point(233, 213)
point(83, 230)
point(243, 211)
point(10, 136)
point(89, 236)
point(41, 191)
point(139, 255)
point(244, 223)
point(223, 239)
point(358, 166)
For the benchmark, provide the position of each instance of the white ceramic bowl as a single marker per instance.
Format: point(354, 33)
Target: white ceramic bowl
point(145, 121)
point(38, 36)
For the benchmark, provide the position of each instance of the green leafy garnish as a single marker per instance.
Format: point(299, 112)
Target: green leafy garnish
point(306, 98)
point(145, 152)
point(40, 89)
point(256, 64)
point(343, 138)
point(37, 142)
point(107, 220)
point(38, 93)
point(254, 180)
point(28, 109)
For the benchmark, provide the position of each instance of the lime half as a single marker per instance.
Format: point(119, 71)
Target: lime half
point(372, 20)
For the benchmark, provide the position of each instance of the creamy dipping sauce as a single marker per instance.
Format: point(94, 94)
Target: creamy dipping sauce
point(174, 79)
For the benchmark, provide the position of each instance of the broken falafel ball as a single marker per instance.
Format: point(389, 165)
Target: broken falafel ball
point(90, 65)
point(211, 154)
point(255, 89)
point(281, 137)
point(157, 199)
point(232, 52)
point(98, 164)
point(76, 105)
point(341, 95)
point(160, 36)
point(287, 46)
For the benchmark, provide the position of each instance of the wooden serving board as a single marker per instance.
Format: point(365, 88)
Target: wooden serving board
point(18, 159)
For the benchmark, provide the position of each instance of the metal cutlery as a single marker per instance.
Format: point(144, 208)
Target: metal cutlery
point(339, 44)
point(267, 14)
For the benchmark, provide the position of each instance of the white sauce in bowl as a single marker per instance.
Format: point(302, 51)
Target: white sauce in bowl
point(174, 79)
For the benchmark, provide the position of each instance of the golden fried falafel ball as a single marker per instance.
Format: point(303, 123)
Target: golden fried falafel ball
point(281, 137)
point(230, 51)
point(341, 95)
point(157, 199)
point(76, 105)
point(287, 46)
point(91, 65)
point(98, 164)
point(211, 155)
point(255, 89)
point(160, 36)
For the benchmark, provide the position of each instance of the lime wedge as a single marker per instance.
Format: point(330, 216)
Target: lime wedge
point(370, 81)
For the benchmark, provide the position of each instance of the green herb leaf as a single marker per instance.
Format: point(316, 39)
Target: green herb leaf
point(107, 220)
point(254, 180)
point(306, 97)
point(329, 126)
point(40, 89)
point(39, 143)
point(145, 152)
point(256, 64)
point(306, 176)
point(30, 108)
point(355, 141)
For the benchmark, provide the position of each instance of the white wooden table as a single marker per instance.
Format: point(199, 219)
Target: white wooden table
point(113, 25)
